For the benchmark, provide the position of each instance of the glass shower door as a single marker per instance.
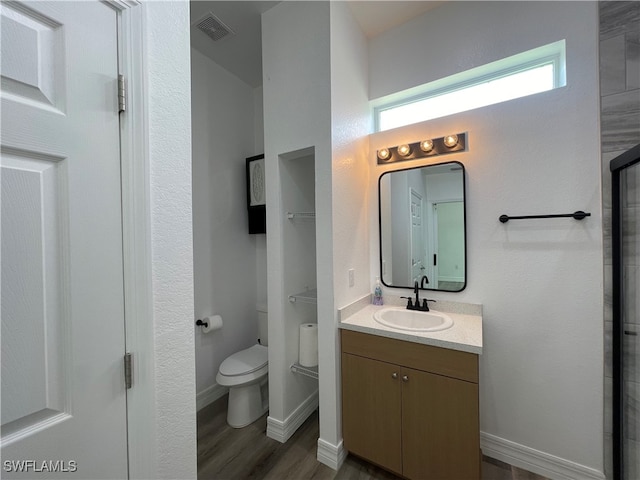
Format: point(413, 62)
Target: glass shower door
point(626, 285)
point(630, 196)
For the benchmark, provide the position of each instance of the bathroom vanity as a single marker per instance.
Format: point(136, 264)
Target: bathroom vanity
point(410, 399)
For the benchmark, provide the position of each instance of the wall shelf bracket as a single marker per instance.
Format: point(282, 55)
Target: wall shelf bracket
point(301, 215)
point(308, 296)
point(307, 371)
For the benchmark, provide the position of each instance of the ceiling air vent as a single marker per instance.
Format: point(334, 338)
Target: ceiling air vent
point(214, 27)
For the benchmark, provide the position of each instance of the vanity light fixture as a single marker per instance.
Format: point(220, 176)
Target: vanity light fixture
point(404, 150)
point(426, 145)
point(456, 142)
point(384, 154)
point(451, 140)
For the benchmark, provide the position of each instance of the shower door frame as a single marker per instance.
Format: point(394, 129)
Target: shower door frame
point(617, 165)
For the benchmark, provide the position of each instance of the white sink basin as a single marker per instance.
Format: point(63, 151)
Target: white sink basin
point(413, 320)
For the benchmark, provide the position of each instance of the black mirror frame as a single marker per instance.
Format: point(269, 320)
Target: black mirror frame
point(464, 205)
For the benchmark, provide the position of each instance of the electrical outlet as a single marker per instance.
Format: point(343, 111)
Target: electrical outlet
point(352, 277)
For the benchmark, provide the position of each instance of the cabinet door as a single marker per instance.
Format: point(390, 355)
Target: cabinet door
point(371, 415)
point(440, 427)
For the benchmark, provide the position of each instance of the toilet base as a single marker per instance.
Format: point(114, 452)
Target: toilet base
point(247, 403)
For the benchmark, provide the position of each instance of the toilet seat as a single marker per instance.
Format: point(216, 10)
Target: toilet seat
point(244, 367)
point(245, 361)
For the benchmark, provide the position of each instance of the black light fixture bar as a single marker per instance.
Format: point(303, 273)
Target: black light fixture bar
point(416, 152)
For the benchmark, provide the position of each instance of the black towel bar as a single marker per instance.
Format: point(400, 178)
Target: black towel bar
point(579, 215)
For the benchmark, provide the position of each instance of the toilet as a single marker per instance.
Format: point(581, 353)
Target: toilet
point(246, 373)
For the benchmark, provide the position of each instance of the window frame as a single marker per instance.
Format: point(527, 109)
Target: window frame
point(550, 54)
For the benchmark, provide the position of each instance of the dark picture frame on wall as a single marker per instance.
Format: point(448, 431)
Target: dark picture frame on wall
point(256, 195)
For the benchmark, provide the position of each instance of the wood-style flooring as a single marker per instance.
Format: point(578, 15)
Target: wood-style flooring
point(225, 453)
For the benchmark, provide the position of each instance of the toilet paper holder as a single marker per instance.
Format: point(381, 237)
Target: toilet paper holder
point(210, 324)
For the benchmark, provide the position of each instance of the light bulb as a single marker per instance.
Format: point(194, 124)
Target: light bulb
point(426, 145)
point(451, 140)
point(404, 150)
point(384, 153)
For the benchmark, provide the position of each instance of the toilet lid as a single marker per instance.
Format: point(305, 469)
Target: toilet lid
point(245, 361)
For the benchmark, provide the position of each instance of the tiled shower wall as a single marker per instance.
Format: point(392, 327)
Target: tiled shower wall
point(620, 130)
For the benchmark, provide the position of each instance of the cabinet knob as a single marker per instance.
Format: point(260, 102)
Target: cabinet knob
point(405, 378)
point(394, 375)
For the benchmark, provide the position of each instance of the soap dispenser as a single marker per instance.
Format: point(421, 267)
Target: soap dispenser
point(377, 293)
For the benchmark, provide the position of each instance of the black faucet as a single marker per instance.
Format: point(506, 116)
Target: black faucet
point(416, 289)
point(423, 280)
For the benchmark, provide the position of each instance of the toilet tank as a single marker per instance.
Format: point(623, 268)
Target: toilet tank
point(263, 323)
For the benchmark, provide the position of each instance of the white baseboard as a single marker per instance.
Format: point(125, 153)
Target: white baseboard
point(282, 431)
point(210, 395)
point(534, 460)
point(331, 455)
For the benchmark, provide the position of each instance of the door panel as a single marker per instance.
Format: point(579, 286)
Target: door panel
point(418, 250)
point(371, 410)
point(440, 422)
point(63, 396)
point(32, 290)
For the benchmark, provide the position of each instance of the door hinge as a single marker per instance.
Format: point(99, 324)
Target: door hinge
point(128, 370)
point(122, 94)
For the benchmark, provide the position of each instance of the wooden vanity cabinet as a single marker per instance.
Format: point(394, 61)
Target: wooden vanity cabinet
point(411, 408)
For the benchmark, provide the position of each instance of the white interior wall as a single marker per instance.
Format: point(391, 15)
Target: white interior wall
point(225, 266)
point(350, 125)
point(168, 123)
point(444, 187)
point(261, 239)
point(540, 281)
point(258, 120)
point(295, 58)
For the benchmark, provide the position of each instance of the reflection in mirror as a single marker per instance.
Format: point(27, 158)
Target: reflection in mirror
point(422, 227)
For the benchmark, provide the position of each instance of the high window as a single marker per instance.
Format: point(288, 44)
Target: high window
point(526, 73)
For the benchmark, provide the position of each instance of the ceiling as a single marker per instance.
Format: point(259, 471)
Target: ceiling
point(241, 54)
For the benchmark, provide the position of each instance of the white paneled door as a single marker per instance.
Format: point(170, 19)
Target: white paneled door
point(63, 395)
point(417, 249)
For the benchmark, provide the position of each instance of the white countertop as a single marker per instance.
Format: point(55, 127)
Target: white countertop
point(465, 334)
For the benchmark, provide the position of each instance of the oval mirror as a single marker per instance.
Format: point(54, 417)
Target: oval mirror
point(423, 227)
